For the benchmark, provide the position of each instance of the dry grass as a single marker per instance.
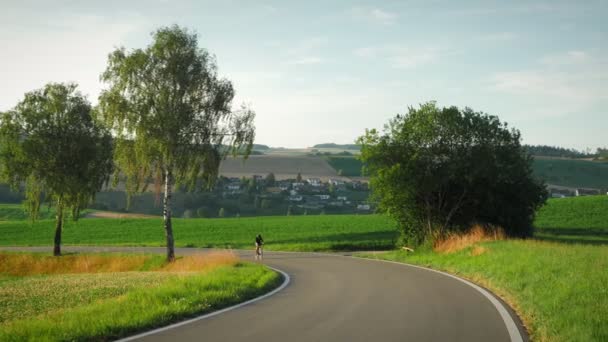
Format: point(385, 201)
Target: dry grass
point(30, 264)
point(202, 262)
point(458, 241)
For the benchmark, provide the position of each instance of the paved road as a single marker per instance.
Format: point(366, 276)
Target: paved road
point(334, 298)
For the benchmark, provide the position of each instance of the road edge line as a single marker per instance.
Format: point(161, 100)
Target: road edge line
point(514, 333)
point(286, 281)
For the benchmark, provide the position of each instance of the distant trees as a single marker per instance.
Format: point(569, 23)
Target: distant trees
point(172, 115)
point(51, 142)
point(440, 169)
point(270, 180)
point(554, 151)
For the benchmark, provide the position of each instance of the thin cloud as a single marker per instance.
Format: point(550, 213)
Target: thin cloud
point(374, 15)
point(401, 57)
point(305, 61)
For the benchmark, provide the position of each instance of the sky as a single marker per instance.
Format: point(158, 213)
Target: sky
point(324, 71)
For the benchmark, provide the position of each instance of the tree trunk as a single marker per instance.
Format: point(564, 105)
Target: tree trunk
point(167, 215)
point(58, 228)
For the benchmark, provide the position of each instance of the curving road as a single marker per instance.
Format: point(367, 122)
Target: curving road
point(336, 298)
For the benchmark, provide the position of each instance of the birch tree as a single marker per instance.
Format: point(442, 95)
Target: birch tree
point(172, 116)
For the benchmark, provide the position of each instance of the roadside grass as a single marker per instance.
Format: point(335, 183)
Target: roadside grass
point(290, 233)
point(109, 304)
point(557, 282)
point(559, 289)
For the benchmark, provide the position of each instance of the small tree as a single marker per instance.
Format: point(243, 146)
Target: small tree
point(172, 116)
point(299, 178)
point(270, 180)
point(52, 144)
point(439, 169)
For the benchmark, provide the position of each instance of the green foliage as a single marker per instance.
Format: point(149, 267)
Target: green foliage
point(52, 144)
point(348, 166)
point(270, 179)
point(440, 169)
point(172, 116)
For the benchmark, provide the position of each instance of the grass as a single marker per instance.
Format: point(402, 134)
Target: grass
point(108, 304)
point(294, 233)
point(557, 282)
point(559, 290)
point(11, 212)
point(574, 220)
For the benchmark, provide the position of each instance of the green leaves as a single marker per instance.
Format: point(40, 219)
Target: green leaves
point(437, 169)
point(170, 110)
point(50, 142)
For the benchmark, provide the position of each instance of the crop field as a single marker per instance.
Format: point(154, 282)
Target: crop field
point(102, 297)
point(283, 167)
point(294, 233)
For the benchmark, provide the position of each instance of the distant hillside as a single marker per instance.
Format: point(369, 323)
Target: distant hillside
point(338, 146)
point(558, 152)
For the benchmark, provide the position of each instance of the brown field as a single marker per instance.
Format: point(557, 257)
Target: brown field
point(283, 167)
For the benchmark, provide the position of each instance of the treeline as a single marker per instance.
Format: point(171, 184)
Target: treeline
point(560, 152)
point(338, 146)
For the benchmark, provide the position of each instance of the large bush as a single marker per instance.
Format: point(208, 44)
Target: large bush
point(437, 170)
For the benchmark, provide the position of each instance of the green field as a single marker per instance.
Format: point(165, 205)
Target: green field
point(294, 233)
point(559, 285)
point(105, 306)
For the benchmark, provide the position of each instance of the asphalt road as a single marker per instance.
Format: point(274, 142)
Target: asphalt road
point(337, 298)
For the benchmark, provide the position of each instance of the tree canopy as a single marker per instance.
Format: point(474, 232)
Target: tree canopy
point(51, 143)
point(172, 115)
point(441, 169)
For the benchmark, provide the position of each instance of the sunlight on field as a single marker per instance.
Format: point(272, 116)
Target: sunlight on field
point(458, 241)
point(202, 262)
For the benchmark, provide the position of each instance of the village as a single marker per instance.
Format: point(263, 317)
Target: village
point(298, 195)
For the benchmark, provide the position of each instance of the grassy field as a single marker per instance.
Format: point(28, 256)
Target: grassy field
point(294, 233)
point(66, 303)
point(574, 220)
point(15, 212)
point(557, 282)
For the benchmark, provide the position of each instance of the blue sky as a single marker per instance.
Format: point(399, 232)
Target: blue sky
point(323, 71)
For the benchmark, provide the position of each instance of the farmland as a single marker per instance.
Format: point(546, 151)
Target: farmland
point(294, 233)
point(283, 167)
point(84, 297)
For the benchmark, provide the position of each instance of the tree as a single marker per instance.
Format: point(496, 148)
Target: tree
point(440, 169)
point(51, 143)
point(172, 116)
point(270, 180)
point(299, 178)
point(221, 213)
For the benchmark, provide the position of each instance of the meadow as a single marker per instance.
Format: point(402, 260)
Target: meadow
point(291, 233)
point(103, 297)
point(556, 281)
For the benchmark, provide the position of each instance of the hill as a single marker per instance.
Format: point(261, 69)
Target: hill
point(338, 146)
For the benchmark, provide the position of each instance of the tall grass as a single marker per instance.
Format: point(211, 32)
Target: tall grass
point(84, 297)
